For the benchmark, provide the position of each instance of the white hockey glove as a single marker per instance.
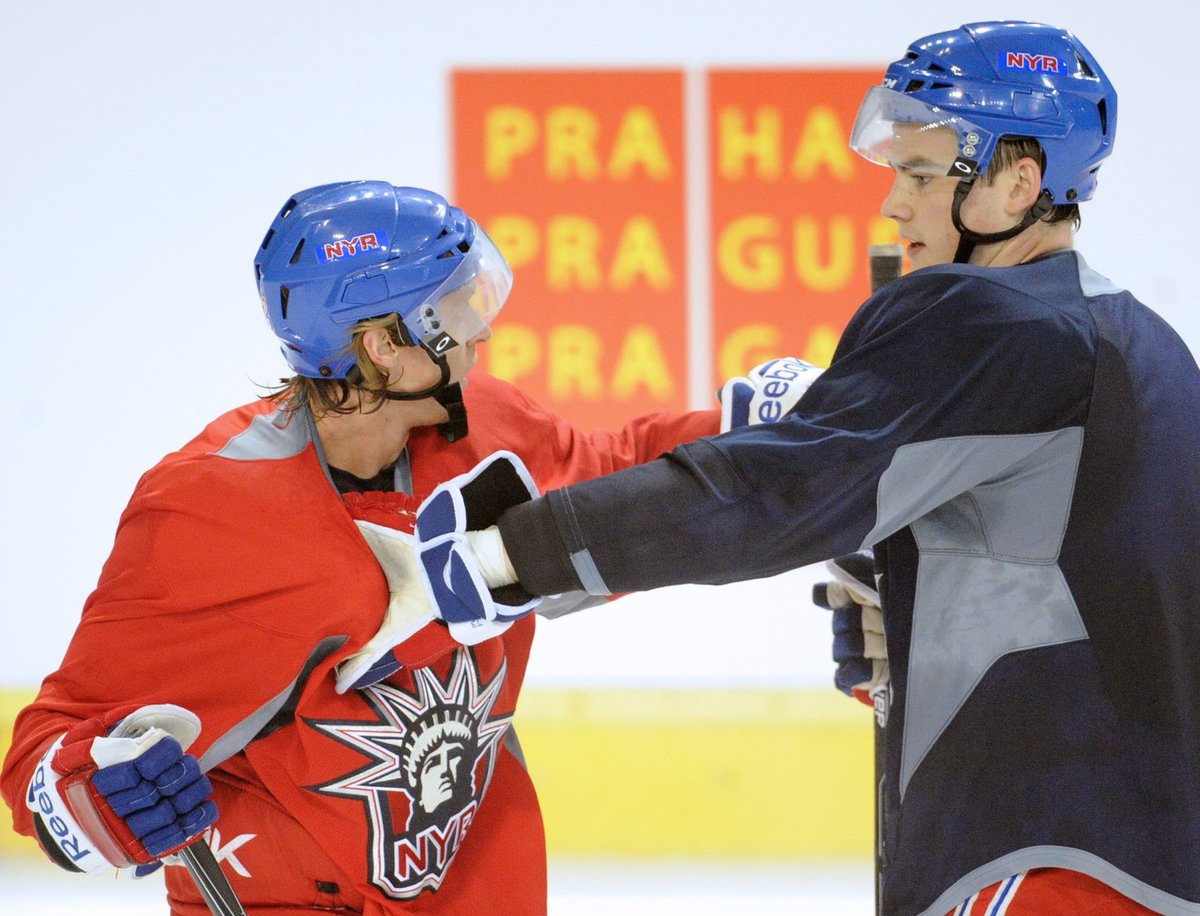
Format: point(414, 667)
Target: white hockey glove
point(408, 610)
point(454, 568)
point(769, 392)
point(119, 790)
point(859, 646)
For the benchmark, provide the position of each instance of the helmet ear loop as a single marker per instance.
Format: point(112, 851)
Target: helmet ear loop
point(968, 238)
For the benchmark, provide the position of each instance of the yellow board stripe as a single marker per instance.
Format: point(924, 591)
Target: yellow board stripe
point(11, 703)
point(738, 773)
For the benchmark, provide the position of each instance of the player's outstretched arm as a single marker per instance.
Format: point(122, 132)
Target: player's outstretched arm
point(120, 790)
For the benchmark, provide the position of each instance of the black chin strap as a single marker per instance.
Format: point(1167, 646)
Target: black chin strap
point(429, 392)
point(449, 396)
point(968, 238)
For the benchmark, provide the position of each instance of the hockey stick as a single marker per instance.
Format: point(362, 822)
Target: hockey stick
point(886, 264)
point(214, 887)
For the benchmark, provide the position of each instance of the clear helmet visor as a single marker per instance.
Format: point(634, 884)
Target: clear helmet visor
point(887, 116)
point(465, 302)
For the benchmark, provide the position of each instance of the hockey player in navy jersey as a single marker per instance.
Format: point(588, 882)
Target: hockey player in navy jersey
point(1017, 438)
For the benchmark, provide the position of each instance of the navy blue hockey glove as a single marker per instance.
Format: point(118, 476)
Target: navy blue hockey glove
point(455, 573)
point(859, 647)
point(120, 790)
point(766, 394)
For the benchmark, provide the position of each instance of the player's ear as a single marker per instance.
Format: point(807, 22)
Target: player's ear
point(379, 347)
point(1024, 179)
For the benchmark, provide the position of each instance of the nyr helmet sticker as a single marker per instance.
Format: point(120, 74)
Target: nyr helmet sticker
point(430, 756)
point(1034, 63)
point(349, 248)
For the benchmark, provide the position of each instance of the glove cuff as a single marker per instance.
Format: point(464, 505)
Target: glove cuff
point(70, 817)
point(475, 500)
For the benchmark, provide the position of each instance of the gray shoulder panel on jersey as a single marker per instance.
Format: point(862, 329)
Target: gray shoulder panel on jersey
point(285, 434)
point(988, 515)
point(1092, 283)
point(1060, 857)
point(277, 435)
point(924, 475)
point(261, 722)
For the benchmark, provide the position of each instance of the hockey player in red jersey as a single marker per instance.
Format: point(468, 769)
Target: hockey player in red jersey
point(356, 757)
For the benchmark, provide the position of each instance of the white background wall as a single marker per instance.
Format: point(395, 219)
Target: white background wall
point(145, 146)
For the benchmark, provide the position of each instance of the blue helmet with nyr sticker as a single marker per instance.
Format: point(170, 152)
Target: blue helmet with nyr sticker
point(339, 253)
point(989, 80)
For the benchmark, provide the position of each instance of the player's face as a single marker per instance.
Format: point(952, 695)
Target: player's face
point(419, 372)
point(462, 359)
point(462, 308)
point(922, 194)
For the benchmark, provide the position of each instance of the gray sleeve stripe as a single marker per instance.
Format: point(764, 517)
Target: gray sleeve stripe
point(581, 558)
point(589, 575)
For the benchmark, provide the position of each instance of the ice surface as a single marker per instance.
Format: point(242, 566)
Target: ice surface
point(583, 887)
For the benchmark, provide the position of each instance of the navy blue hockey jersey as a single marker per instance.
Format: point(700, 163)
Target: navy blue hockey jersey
point(1022, 447)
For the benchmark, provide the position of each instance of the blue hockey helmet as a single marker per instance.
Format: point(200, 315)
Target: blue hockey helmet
point(339, 253)
point(989, 80)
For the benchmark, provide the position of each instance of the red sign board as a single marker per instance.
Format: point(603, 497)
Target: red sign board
point(793, 210)
point(578, 176)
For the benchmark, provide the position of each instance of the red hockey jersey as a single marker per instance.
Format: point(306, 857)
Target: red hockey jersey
point(237, 581)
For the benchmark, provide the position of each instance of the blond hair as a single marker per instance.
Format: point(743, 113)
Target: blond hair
point(333, 395)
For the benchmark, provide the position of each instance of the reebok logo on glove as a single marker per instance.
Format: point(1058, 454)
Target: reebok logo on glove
point(769, 392)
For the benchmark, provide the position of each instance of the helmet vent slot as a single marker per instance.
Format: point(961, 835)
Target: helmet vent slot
point(935, 67)
point(296, 254)
point(941, 85)
point(464, 247)
point(914, 85)
point(287, 208)
point(1084, 68)
point(283, 301)
point(267, 239)
point(1102, 107)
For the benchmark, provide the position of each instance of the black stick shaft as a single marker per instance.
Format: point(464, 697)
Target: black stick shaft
point(213, 885)
point(886, 264)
